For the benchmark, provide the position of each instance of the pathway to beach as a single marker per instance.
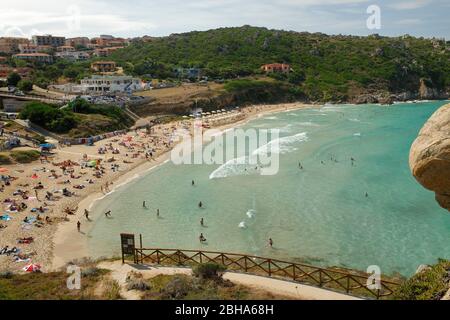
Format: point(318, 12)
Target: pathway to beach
point(288, 289)
point(44, 201)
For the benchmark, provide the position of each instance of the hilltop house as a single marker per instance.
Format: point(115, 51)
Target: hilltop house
point(276, 68)
point(49, 40)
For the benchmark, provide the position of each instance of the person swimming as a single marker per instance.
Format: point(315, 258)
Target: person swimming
point(193, 183)
point(108, 214)
point(202, 238)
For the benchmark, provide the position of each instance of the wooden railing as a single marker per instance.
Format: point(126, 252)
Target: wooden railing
point(341, 280)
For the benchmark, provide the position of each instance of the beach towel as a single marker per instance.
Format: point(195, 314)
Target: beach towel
point(5, 217)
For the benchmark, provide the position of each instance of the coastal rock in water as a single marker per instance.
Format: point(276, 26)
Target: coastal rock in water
point(429, 158)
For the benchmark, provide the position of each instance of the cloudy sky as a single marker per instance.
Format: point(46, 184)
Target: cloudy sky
point(129, 18)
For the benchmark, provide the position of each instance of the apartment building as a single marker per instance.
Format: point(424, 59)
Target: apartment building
point(35, 57)
point(73, 55)
point(104, 52)
point(10, 45)
point(65, 49)
point(78, 41)
point(49, 40)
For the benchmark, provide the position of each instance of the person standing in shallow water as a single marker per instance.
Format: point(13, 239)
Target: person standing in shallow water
point(202, 222)
point(271, 242)
point(193, 183)
point(200, 204)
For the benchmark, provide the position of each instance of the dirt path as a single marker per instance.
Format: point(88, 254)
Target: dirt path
point(275, 286)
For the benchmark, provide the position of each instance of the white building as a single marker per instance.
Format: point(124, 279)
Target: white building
point(104, 85)
point(73, 56)
point(107, 84)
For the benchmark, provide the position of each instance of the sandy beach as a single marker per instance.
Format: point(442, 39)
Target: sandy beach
point(44, 201)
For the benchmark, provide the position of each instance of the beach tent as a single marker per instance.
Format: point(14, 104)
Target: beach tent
point(32, 268)
point(47, 146)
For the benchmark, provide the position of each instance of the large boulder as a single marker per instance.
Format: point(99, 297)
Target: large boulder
point(429, 158)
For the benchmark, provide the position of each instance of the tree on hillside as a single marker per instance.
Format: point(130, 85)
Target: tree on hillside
point(80, 105)
point(13, 79)
point(25, 85)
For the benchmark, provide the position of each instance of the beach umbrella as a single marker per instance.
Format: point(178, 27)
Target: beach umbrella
point(32, 268)
point(3, 170)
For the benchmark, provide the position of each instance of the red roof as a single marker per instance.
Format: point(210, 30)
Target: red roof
point(32, 55)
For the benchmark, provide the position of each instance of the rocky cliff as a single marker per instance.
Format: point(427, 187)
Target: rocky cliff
point(429, 158)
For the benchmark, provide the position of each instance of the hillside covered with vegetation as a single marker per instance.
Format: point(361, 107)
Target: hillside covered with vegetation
point(325, 67)
point(78, 119)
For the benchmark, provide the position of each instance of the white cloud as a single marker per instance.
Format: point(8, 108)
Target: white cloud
point(410, 5)
point(408, 22)
point(155, 17)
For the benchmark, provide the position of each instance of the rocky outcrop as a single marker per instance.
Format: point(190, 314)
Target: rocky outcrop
point(429, 158)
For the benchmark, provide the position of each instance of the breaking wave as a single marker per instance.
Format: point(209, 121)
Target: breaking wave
point(281, 145)
point(248, 164)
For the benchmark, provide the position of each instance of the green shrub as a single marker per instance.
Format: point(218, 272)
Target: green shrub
point(177, 288)
point(25, 156)
point(137, 284)
point(430, 284)
point(6, 275)
point(5, 159)
point(208, 271)
point(25, 85)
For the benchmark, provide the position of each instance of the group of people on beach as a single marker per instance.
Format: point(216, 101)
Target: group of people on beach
point(36, 197)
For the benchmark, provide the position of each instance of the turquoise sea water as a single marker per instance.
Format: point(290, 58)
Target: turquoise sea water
point(319, 215)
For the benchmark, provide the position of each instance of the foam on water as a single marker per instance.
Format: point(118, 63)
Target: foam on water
point(234, 167)
point(282, 145)
point(251, 213)
point(309, 124)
